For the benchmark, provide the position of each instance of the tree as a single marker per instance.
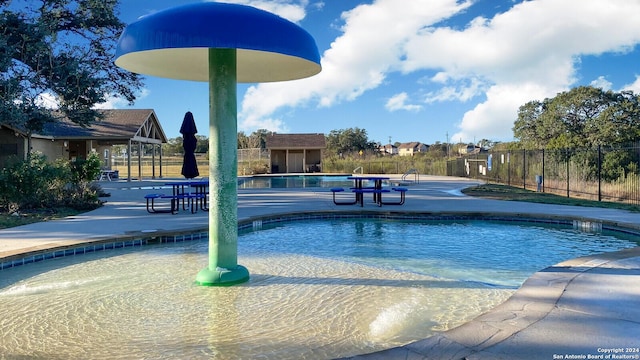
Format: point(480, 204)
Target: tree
point(580, 117)
point(59, 50)
point(173, 146)
point(350, 140)
point(243, 140)
point(257, 139)
point(202, 144)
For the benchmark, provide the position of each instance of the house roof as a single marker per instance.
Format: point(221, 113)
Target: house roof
point(388, 146)
point(118, 125)
point(409, 145)
point(295, 141)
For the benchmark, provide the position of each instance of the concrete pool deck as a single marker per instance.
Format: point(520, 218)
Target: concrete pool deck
point(581, 308)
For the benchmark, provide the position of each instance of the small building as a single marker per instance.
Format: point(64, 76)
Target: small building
point(469, 149)
point(67, 140)
point(388, 149)
point(295, 153)
point(412, 148)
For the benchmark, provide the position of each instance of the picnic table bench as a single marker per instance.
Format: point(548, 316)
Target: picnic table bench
point(190, 198)
point(359, 198)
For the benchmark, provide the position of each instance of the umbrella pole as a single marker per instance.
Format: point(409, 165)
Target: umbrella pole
point(223, 266)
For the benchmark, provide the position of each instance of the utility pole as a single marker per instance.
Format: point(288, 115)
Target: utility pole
point(447, 144)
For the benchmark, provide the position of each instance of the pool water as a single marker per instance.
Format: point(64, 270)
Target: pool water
point(294, 181)
point(318, 290)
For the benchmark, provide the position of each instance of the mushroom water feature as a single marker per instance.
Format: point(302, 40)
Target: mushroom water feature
point(223, 44)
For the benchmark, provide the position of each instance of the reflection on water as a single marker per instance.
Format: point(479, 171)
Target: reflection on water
point(318, 290)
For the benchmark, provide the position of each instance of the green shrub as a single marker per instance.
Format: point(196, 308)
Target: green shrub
point(39, 184)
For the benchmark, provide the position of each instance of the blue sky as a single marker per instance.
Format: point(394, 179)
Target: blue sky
point(420, 70)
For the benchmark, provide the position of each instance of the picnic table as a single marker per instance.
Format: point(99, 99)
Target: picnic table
point(182, 191)
point(191, 194)
point(108, 175)
point(359, 189)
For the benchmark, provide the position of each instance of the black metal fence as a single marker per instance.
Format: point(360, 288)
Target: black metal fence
point(602, 173)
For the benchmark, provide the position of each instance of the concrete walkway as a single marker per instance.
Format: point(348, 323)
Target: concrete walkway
point(581, 308)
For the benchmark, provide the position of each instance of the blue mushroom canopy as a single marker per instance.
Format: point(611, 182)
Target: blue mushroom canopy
point(174, 43)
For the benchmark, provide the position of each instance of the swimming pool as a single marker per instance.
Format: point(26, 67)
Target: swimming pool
point(294, 181)
point(327, 289)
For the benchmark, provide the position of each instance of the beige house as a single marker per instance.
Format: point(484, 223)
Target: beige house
point(135, 128)
point(295, 153)
point(411, 148)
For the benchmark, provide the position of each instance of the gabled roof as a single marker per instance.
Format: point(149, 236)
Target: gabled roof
point(295, 141)
point(409, 145)
point(117, 125)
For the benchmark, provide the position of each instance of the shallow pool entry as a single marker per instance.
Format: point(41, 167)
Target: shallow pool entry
point(319, 289)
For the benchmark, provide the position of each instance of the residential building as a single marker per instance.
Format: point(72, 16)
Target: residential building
point(412, 148)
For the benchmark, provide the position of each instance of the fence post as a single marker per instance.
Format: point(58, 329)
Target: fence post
point(542, 170)
point(509, 167)
point(599, 173)
point(567, 159)
point(524, 169)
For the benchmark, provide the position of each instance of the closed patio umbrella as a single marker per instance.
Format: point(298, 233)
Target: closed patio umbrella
point(189, 142)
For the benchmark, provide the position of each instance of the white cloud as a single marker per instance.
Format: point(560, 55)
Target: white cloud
point(634, 86)
point(464, 92)
point(114, 102)
point(271, 124)
point(493, 119)
point(47, 100)
point(601, 82)
point(529, 52)
point(531, 49)
point(293, 12)
point(398, 102)
point(357, 61)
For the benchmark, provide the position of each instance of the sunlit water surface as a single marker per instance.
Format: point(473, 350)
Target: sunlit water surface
point(321, 289)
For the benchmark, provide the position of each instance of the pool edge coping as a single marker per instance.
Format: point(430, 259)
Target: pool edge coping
point(157, 236)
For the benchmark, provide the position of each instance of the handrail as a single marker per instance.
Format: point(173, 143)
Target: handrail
point(355, 171)
point(416, 175)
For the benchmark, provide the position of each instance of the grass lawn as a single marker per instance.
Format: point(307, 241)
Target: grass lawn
point(510, 193)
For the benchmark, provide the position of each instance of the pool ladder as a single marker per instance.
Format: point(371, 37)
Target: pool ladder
point(416, 175)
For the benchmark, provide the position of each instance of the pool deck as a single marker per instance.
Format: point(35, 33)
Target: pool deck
point(581, 308)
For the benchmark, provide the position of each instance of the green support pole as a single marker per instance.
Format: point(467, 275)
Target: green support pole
point(223, 269)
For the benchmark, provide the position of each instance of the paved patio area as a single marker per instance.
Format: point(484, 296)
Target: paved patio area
point(581, 308)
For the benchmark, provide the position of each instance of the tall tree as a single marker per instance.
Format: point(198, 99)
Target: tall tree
point(350, 140)
point(258, 139)
point(61, 52)
point(583, 116)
